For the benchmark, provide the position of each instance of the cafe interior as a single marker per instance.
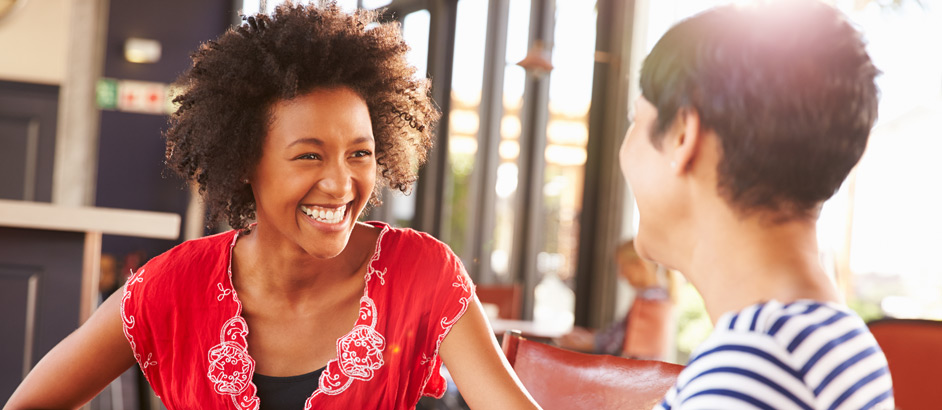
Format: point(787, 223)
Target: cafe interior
point(523, 182)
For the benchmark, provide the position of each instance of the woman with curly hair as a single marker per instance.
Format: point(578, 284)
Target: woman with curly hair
point(293, 121)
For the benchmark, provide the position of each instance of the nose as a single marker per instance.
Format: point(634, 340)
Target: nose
point(337, 179)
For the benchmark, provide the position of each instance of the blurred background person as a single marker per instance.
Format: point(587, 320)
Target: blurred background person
point(647, 330)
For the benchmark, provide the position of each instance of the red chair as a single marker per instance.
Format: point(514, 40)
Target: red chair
point(506, 297)
point(913, 350)
point(563, 379)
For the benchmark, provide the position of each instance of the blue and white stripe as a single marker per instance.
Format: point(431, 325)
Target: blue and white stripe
point(801, 355)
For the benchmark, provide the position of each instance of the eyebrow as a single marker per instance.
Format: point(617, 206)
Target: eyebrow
point(319, 142)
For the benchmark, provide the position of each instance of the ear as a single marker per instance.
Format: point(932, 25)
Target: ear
point(686, 145)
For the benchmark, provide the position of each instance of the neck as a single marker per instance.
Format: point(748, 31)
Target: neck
point(739, 262)
point(262, 263)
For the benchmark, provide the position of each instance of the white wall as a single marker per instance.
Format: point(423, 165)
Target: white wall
point(34, 42)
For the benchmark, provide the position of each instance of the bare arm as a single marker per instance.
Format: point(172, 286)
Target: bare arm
point(480, 370)
point(80, 366)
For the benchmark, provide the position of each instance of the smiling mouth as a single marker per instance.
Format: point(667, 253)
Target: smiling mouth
point(326, 215)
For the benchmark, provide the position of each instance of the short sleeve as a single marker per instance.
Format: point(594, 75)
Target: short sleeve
point(451, 294)
point(136, 322)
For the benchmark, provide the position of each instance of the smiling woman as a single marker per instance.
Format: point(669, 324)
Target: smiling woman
point(293, 121)
point(317, 170)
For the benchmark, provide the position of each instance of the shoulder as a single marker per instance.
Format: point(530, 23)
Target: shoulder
point(410, 244)
point(805, 353)
point(185, 262)
point(211, 246)
point(421, 261)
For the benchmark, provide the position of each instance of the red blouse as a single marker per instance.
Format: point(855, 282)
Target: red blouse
point(182, 318)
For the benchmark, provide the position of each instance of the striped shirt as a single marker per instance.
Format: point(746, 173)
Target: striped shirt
point(801, 355)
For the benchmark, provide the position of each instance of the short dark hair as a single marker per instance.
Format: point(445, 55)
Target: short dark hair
point(787, 87)
point(215, 136)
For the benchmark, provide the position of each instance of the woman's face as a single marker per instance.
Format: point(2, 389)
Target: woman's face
point(317, 170)
point(647, 170)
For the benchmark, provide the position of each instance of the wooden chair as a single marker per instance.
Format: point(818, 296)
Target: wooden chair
point(913, 349)
point(563, 379)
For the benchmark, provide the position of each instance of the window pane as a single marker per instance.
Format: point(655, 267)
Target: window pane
point(893, 201)
point(373, 4)
point(415, 32)
point(567, 133)
point(250, 7)
point(463, 125)
point(518, 33)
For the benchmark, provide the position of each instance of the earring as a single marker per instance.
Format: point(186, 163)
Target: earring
point(673, 164)
point(246, 180)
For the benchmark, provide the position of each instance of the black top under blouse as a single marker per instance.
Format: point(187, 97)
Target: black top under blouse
point(285, 393)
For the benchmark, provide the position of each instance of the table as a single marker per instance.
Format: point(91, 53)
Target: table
point(530, 329)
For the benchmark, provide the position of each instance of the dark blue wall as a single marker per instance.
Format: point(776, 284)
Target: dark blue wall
point(131, 173)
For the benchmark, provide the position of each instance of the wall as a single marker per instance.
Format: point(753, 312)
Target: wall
point(131, 172)
point(33, 42)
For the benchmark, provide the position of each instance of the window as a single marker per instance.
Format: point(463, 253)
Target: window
point(567, 133)
point(882, 228)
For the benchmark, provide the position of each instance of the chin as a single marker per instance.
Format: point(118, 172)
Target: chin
point(328, 251)
point(644, 248)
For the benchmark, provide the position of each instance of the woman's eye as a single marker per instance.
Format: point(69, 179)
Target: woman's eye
point(362, 153)
point(308, 156)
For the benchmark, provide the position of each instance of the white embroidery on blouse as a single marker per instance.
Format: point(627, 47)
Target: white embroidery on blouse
point(464, 282)
point(370, 270)
point(230, 365)
point(360, 351)
point(222, 292)
point(128, 324)
point(129, 320)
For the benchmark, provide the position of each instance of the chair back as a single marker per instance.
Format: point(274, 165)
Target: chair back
point(563, 379)
point(505, 297)
point(913, 349)
point(649, 333)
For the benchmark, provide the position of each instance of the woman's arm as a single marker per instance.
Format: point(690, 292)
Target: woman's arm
point(80, 366)
point(478, 365)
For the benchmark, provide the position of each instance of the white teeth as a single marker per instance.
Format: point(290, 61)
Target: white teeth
point(331, 216)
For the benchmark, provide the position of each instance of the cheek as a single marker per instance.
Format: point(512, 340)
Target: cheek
point(367, 177)
point(635, 164)
point(370, 174)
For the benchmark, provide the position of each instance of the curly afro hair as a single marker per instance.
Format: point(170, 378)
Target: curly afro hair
point(224, 113)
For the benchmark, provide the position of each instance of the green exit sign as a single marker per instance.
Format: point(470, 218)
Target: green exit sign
point(106, 93)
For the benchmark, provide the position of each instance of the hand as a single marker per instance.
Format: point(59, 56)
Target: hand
point(579, 338)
